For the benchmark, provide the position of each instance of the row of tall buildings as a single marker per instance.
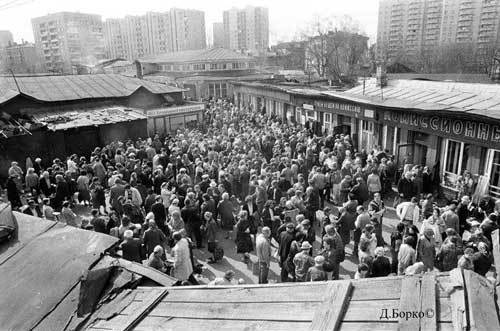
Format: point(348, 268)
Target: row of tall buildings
point(66, 38)
point(410, 27)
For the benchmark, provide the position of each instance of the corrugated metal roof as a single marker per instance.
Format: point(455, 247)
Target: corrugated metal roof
point(479, 99)
point(213, 54)
point(75, 87)
point(63, 120)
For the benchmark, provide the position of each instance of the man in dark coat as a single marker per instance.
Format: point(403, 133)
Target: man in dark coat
point(286, 239)
point(116, 191)
point(345, 225)
point(406, 188)
point(132, 247)
point(153, 237)
point(192, 221)
point(463, 213)
point(158, 209)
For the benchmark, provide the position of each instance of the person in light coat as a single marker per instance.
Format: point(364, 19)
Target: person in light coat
point(183, 268)
point(409, 211)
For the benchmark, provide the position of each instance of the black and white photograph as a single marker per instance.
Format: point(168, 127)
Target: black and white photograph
point(249, 165)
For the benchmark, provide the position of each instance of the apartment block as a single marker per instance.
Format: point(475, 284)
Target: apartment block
point(218, 34)
point(5, 38)
point(246, 29)
point(65, 40)
point(154, 33)
point(409, 27)
point(20, 58)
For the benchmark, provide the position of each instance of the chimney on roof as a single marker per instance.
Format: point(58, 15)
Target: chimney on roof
point(381, 75)
point(138, 68)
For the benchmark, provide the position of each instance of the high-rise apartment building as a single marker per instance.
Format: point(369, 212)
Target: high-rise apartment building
point(409, 27)
point(218, 34)
point(246, 29)
point(65, 40)
point(5, 38)
point(134, 37)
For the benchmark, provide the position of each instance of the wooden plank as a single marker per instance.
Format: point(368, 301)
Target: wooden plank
point(480, 302)
point(457, 297)
point(370, 311)
point(274, 311)
point(495, 238)
point(147, 272)
point(428, 303)
point(330, 314)
point(380, 326)
point(410, 302)
point(377, 289)
point(162, 323)
point(235, 294)
point(148, 304)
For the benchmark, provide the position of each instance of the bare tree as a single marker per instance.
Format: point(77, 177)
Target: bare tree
point(334, 47)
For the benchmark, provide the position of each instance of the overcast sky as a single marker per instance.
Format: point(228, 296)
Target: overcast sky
point(286, 17)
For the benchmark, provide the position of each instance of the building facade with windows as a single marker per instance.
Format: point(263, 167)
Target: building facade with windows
point(65, 40)
point(6, 38)
point(20, 58)
point(246, 29)
point(218, 34)
point(409, 28)
point(449, 127)
point(206, 73)
point(134, 37)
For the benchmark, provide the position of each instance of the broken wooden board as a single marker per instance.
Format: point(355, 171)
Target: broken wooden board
point(480, 302)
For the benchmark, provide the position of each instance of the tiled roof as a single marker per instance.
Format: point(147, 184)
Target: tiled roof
point(477, 99)
point(75, 87)
point(87, 117)
point(201, 55)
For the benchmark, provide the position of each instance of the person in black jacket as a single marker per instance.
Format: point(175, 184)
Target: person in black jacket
point(192, 222)
point(406, 187)
point(463, 213)
point(158, 209)
point(381, 265)
point(132, 247)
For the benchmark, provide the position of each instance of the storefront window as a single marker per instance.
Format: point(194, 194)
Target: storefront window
point(176, 123)
point(456, 158)
point(217, 90)
point(495, 175)
point(159, 125)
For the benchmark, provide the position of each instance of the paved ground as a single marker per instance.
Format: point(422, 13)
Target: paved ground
point(233, 261)
point(243, 271)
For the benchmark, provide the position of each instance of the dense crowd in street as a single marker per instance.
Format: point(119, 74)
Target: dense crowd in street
point(275, 188)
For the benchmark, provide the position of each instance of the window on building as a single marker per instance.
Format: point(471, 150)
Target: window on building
point(455, 163)
point(217, 90)
point(224, 90)
point(213, 66)
point(494, 188)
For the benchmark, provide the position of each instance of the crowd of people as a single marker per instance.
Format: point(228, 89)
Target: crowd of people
point(270, 186)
